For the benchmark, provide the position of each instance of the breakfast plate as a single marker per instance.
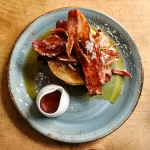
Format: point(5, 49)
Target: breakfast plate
point(87, 118)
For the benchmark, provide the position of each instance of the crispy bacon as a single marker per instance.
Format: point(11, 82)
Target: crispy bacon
point(83, 28)
point(62, 24)
point(121, 72)
point(59, 32)
point(102, 39)
point(91, 67)
point(109, 56)
point(108, 73)
point(51, 46)
point(72, 30)
point(73, 43)
point(91, 77)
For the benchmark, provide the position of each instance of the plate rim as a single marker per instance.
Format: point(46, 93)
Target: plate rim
point(9, 82)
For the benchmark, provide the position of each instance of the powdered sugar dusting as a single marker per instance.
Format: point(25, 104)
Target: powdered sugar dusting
point(102, 59)
point(106, 56)
point(89, 46)
point(93, 55)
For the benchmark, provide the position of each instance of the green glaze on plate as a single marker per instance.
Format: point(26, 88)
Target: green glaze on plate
point(111, 91)
point(30, 69)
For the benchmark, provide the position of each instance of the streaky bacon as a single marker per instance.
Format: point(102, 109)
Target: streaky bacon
point(74, 38)
point(100, 63)
point(71, 30)
point(51, 46)
point(101, 39)
point(83, 28)
point(62, 24)
point(91, 76)
point(121, 72)
point(59, 32)
point(109, 56)
point(91, 67)
point(108, 74)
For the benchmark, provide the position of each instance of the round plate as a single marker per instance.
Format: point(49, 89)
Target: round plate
point(84, 120)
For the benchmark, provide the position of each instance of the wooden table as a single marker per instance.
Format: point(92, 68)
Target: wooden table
point(15, 133)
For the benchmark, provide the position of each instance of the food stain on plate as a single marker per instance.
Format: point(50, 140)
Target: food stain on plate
point(32, 68)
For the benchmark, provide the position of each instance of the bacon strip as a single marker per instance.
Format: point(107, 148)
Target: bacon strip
point(121, 72)
point(72, 30)
point(83, 28)
point(51, 46)
point(91, 77)
point(59, 32)
point(73, 37)
point(108, 74)
point(90, 66)
point(109, 56)
point(62, 24)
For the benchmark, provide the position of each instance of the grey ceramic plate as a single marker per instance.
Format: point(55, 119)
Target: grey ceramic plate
point(84, 120)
